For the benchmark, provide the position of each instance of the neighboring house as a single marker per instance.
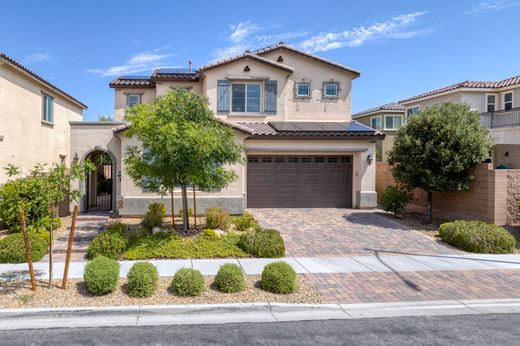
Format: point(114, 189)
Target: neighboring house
point(499, 105)
point(35, 116)
point(291, 112)
point(387, 118)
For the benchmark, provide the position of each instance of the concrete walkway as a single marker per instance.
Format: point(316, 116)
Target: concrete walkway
point(309, 265)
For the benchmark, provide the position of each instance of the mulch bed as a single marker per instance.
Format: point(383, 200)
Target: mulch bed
point(416, 221)
point(19, 295)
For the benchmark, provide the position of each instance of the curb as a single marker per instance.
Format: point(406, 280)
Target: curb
point(147, 315)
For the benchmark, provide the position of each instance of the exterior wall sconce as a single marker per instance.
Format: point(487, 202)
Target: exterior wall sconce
point(76, 158)
point(369, 159)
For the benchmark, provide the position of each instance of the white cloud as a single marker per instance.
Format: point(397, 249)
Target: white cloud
point(243, 30)
point(492, 6)
point(141, 62)
point(396, 28)
point(38, 57)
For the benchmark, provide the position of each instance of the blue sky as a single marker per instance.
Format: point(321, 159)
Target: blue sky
point(402, 48)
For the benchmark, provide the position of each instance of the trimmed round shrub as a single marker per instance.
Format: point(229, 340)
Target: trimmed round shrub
point(101, 275)
point(109, 244)
point(188, 282)
point(264, 243)
point(477, 236)
point(394, 199)
point(278, 277)
point(12, 248)
point(142, 279)
point(154, 216)
point(230, 278)
point(245, 222)
point(209, 234)
point(217, 218)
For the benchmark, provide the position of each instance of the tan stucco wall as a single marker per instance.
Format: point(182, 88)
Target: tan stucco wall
point(164, 87)
point(27, 140)
point(147, 96)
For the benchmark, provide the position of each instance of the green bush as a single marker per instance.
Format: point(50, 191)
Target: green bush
point(188, 282)
point(45, 223)
point(278, 277)
point(109, 243)
point(394, 199)
point(217, 218)
point(101, 275)
point(117, 227)
point(209, 234)
point(230, 278)
point(143, 279)
point(154, 216)
point(180, 213)
point(477, 236)
point(265, 243)
point(245, 222)
point(12, 248)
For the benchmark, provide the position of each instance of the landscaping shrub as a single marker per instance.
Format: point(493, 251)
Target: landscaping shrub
point(217, 218)
point(278, 277)
point(180, 213)
point(45, 223)
point(12, 248)
point(394, 199)
point(477, 236)
point(154, 216)
point(109, 243)
point(245, 222)
point(230, 278)
point(101, 275)
point(209, 234)
point(265, 243)
point(116, 227)
point(142, 279)
point(188, 282)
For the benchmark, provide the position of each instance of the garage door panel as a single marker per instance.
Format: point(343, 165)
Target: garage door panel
point(299, 181)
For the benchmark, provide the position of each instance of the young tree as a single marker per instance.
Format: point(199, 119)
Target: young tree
point(184, 145)
point(437, 149)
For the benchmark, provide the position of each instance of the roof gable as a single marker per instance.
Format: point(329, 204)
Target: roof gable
point(247, 55)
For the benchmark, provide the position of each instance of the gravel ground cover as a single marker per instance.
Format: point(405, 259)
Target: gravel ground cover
point(19, 295)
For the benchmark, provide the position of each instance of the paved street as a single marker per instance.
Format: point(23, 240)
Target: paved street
point(313, 232)
point(500, 329)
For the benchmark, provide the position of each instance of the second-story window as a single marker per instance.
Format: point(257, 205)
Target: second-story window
point(491, 103)
point(303, 89)
point(508, 101)
point(410, 112)
point(330, 89)
point(245, 97)
point(47, 108)
point(393, 122)
point(133, 99)
point(375, 123)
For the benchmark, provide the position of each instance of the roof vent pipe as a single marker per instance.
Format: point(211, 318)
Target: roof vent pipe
point(189, 65)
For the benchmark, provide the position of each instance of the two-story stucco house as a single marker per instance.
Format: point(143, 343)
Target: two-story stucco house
point(497, 101)
point(34, 119)
point(291, 112)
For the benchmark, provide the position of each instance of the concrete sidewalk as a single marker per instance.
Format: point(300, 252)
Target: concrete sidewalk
point(312, 265)
point(12, 319)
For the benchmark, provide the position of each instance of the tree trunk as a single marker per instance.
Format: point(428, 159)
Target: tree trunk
point(194, 209)
point(173, 209)
point(185, 225)
point(429, 208)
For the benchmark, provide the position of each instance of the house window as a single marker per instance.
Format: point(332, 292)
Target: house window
point(490, 102)
point(132, 100)
point(375, 123)
point(393, 122)
point(330, 89)
point(508, 101)
point(48, 108)
point(410, 112)
point(303, 89)
point(245, 97)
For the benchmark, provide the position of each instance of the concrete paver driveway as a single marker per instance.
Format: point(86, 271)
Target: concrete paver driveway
point(310, 232)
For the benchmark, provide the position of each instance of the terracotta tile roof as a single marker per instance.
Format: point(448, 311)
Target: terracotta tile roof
point(393, 106)
point(132, 82)
point(282, 45)
point(468, 84)
point(181, 75)
point(16, 64)
point(246, 55)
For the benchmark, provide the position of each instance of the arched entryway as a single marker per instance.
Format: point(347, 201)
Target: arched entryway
point(100, 183)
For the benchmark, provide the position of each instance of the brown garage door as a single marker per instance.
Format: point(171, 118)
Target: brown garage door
point(299, 181)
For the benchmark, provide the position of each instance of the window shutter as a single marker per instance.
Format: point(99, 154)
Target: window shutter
point(223, 97)
point(270, 93)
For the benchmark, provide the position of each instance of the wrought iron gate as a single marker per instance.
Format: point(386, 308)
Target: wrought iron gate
point(100, 183)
